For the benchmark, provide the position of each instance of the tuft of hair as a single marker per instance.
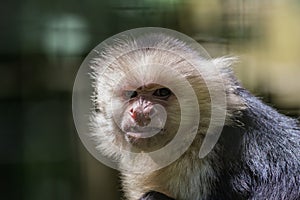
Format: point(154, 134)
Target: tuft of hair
point(149, 59)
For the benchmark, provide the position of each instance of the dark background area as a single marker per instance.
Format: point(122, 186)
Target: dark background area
point(44, 42)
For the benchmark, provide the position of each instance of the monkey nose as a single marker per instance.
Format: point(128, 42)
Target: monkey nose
point(140, 117)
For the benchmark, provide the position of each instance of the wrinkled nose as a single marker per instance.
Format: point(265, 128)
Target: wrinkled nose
point(141, 115)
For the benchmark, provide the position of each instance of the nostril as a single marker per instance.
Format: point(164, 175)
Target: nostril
point(132, 113)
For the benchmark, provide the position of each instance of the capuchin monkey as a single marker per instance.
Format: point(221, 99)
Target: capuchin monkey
point(256, 157)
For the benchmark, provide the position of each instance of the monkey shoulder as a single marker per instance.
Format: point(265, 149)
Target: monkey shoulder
point(267, 161)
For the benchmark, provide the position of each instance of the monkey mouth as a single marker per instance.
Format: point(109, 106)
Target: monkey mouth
point(142, 132)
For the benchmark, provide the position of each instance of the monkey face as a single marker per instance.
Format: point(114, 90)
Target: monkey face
point(154, 91)
point(149, 118)
point(141, 90)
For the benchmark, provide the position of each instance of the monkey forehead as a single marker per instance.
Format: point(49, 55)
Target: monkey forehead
point(139, 75)
point(155, 47)
point(152, 63)
point(146, 87)
point(146, 59)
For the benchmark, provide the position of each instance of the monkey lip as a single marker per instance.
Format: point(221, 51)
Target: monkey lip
point(142, 132)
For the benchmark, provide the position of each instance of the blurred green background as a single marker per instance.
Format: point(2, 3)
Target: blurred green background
point(44, 42)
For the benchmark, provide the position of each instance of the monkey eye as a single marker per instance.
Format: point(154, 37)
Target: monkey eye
point(130, 94)
point(162, 92)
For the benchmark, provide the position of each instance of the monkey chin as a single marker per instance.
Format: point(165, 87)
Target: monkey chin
point(147, 141)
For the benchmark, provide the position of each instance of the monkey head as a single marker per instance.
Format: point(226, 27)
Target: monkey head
point(143, 89)
point(154, 91)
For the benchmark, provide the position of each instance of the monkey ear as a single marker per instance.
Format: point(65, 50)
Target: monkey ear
point(225, 64)
point(235, 103)
point(225, 68)
point(152, 195)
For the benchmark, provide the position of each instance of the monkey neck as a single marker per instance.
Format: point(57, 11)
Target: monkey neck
point(183, 179)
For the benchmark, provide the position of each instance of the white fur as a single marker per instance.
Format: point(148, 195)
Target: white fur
point(187, 177)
